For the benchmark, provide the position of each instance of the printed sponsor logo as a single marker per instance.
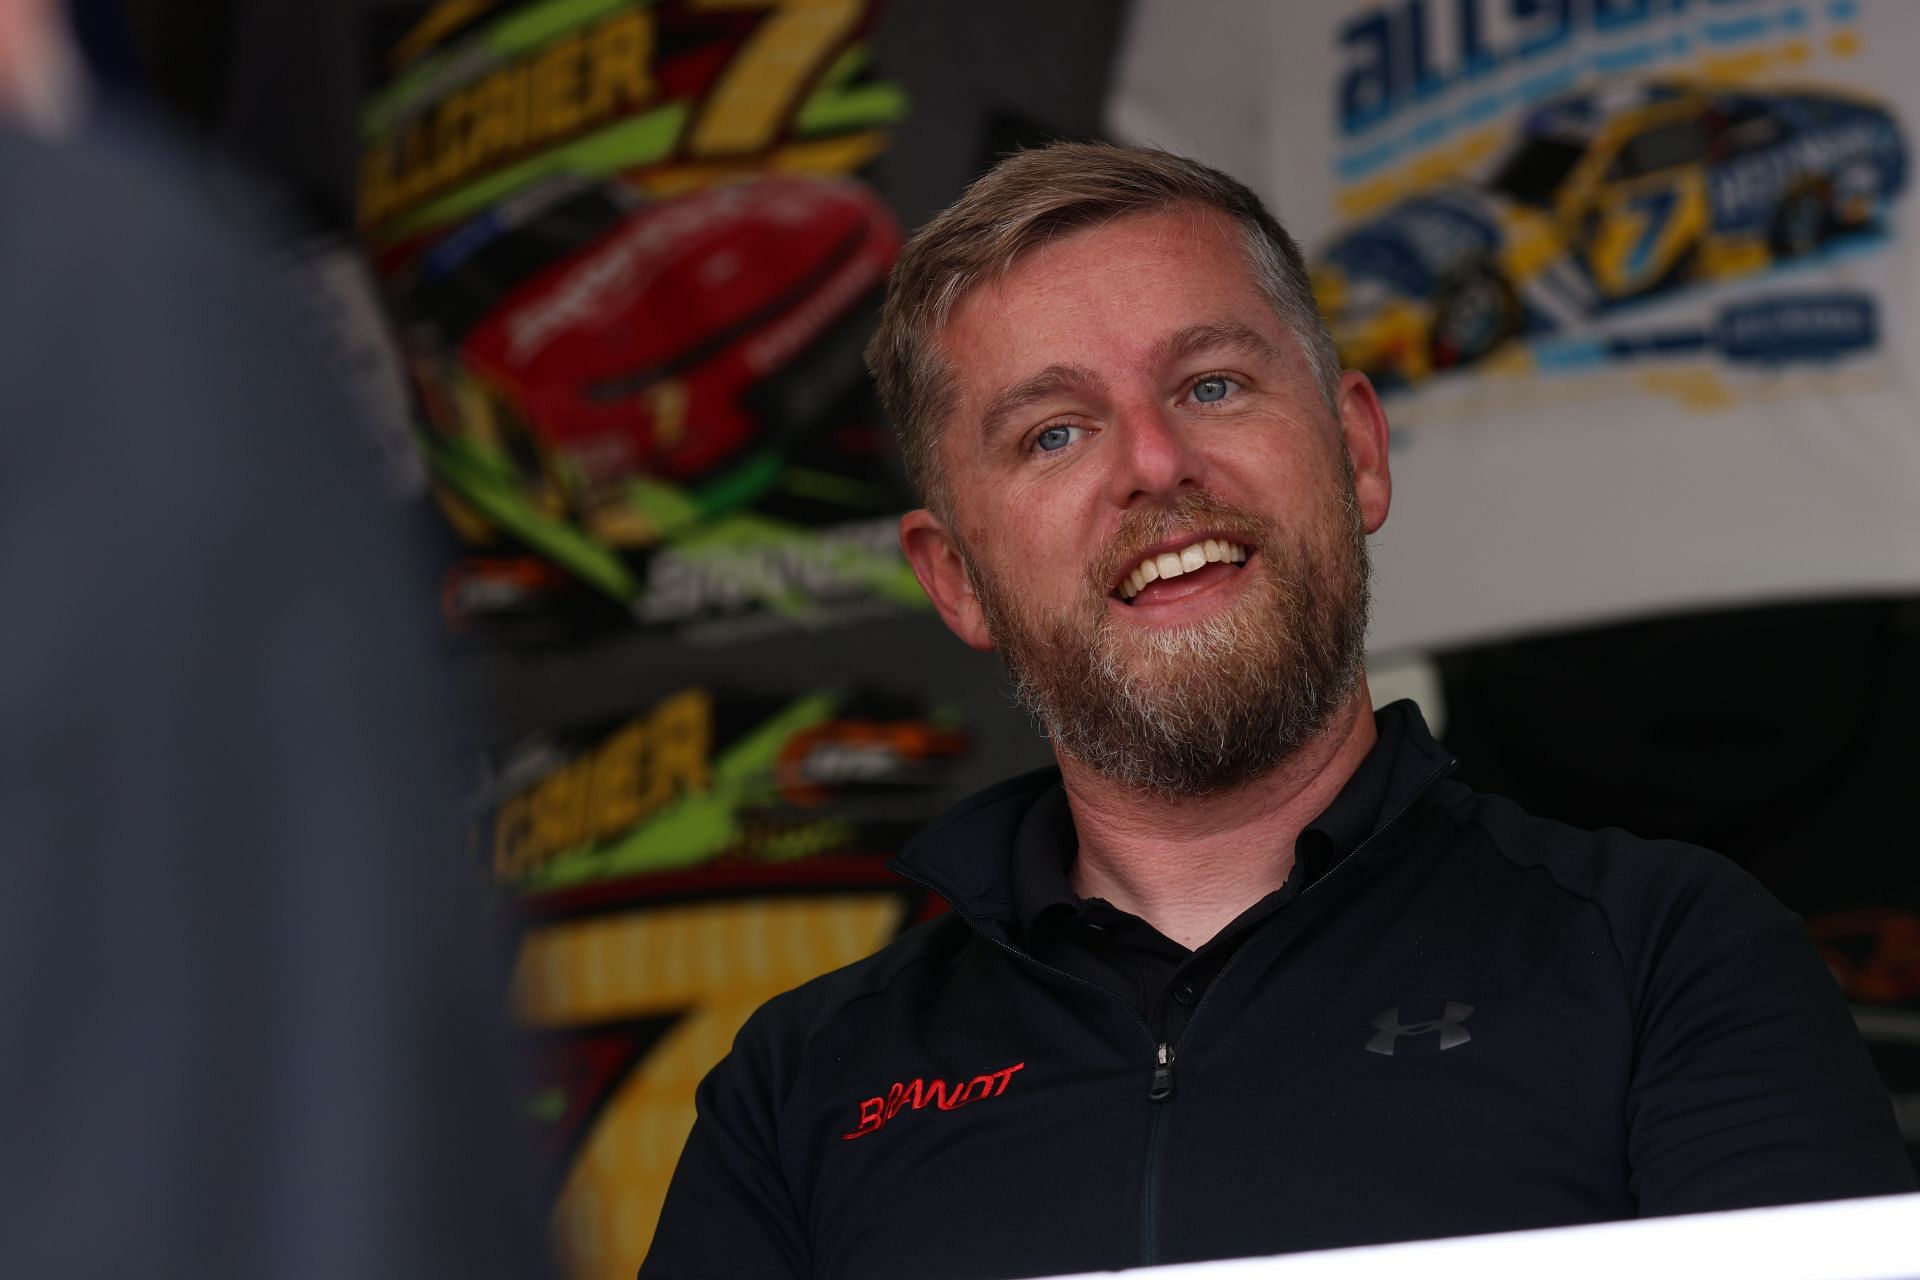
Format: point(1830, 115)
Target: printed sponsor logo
point(557, 91)
point(1450, 1024)
point(1750, 187)
point(918, 1093)
point(683, 582)
point(1811, 327)
point(646, 764)
point(1397, 56)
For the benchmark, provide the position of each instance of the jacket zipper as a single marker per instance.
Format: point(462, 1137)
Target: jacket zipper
point(1161, 1089)
point(1434, 775)
point(1162, 1074)
point(1150, 1194)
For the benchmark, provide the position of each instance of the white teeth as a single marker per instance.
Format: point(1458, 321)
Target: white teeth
point(1172, 564)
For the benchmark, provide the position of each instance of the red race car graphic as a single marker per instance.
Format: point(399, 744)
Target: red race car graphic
point(601, 342)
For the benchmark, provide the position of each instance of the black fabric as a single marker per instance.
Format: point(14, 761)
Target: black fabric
point(253, 1022)
point(1474, 1021)
point(1778, 735)
point(1097, 942)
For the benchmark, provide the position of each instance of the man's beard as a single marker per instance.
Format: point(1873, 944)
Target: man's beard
point(1205, 708)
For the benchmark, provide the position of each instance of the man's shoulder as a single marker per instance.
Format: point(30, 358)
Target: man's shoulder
point(789, 1022)
point(966, 853)
point(962, 855)
point(1650, 892)
point(990, 815)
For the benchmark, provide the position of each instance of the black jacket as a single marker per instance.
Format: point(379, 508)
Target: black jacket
point(1473, 1020)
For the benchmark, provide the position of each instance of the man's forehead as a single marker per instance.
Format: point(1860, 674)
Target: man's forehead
point(1043, 294)
point(992, 362)
point(1115, 238)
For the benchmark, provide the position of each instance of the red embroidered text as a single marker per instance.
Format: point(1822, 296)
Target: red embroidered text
point(917, 1093)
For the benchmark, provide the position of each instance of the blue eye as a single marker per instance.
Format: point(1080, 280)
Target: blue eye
point(1210, 390)
point(1056, 437)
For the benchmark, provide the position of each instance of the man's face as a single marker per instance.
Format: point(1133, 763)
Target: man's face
point(1154, 505)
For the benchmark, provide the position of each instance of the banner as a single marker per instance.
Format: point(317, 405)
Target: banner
point(634, 274)
point(1636, 279)
point(675, 868)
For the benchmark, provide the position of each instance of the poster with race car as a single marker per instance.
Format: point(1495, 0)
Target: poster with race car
point(633, 270)
point(632, 251)
point(676, 864)
point(1636, 279)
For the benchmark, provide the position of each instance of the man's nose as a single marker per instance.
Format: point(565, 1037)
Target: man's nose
point(1155, 459)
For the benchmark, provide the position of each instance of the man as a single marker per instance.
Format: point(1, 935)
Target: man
point(1247, 974)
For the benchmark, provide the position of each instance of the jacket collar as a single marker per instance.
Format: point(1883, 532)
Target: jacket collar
point(969, 854)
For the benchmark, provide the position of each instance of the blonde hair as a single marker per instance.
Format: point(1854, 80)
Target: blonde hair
point(1015, 207)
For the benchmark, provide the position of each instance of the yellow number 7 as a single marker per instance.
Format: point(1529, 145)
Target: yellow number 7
point(717, 960)
point(779, 62)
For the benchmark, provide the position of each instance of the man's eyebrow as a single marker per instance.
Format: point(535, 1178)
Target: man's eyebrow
point(1216, 336)
point(1054, 380)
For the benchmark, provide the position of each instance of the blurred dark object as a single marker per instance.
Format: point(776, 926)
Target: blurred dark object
point(105, 41)
point(988, 78)
point(254, 1022)
point(274, 86)
point(1779, 736)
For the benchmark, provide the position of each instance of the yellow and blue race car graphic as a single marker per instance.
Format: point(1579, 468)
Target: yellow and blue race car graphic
point(1607, 197)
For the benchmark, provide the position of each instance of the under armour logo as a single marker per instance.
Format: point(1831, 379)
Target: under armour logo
point(1448, 1025)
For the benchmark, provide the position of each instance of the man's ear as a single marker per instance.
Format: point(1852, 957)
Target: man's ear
point(1363, 426)
point(935, 558)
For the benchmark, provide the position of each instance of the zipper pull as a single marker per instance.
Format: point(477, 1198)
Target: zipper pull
point(1162, 1074)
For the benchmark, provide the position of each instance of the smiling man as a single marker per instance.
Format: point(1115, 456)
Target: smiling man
point(1247, 973)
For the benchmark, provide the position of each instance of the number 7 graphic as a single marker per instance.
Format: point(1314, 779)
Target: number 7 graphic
point(689, 973)
point(771, 74)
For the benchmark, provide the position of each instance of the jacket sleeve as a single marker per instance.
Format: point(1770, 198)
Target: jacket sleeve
point(1751, 1085)
point(729, 1210)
